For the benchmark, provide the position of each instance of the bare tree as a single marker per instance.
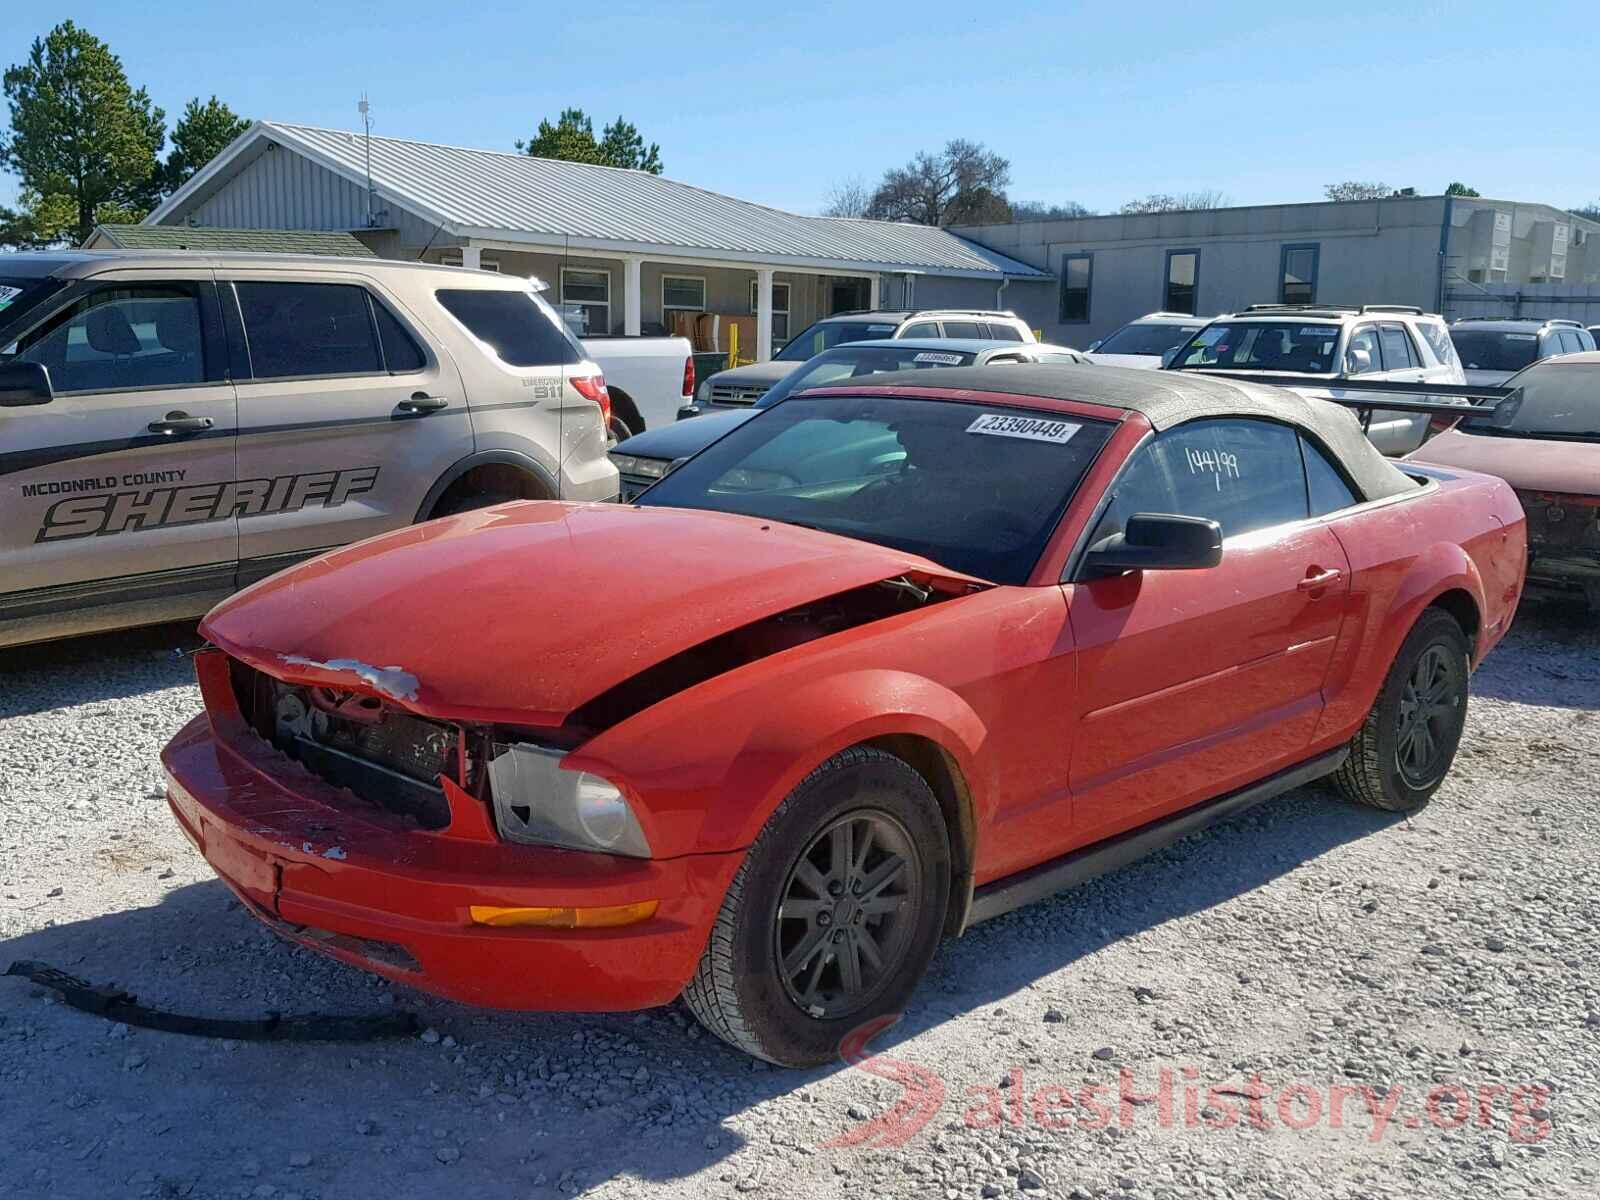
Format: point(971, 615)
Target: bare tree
point(1591, 210)
point(1160, 202)
point(848, 198)
point(1038, 210)
point(963, 184)
point(1355, 189)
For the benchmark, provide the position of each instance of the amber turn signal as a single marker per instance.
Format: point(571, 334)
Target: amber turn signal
point(566, 918)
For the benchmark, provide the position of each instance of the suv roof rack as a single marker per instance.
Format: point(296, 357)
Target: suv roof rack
point(1523, 320)
point(1393, 308)
point(970, 312)
point(856, 312)
point(1305, 310)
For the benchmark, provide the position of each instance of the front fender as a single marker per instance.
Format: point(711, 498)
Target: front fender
point(821, 719)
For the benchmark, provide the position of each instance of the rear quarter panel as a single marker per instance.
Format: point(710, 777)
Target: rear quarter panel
point(649, 370)
point(1461, 532)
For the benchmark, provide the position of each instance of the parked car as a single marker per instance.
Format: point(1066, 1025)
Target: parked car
point(745, 385)
point(174, 426)
point(1379, 342)
point(1141, 343)
point(642, 460)
point(890, 658)
point(1549, 451)
point(647, 378)
point(1594, 334)
point(1491, 351)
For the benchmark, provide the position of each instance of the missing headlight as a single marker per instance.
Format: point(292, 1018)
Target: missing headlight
point(539, 803)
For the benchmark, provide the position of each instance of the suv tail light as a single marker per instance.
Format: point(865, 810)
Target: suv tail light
point(593, 387)
point(688, 377)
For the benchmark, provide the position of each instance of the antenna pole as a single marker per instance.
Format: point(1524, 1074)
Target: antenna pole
point(366, 123)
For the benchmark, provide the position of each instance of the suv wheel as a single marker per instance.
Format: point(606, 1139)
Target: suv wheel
point(833, 916)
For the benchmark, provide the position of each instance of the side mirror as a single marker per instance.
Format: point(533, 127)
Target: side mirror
point(1168, 357)
point(1158, 542)
point(1358, 362)
point(23, 384)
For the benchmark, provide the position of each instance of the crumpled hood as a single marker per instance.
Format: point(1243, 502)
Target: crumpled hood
point(519, 613)
point(1527, 464)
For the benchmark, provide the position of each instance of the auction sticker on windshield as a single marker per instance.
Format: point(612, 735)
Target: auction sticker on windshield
point(8, 294)
point(1034, 429)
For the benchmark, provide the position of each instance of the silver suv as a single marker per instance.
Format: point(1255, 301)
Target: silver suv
point(176, 425)
point(1493, 350)
point(746, 385)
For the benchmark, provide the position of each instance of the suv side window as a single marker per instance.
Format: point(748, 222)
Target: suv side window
point(1365, 338)
point(1004, 331)
point(1243, 474)
point(122, 336)
point(1571, 343)
point(308, 329)
point(401, 354)
point(1326, 489)
point(1397, 352)
point(925, 329)
point(1437, 336)
point(963, 329)
point(513, 325)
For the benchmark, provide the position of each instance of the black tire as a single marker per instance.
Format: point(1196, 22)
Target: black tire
point(468, 501)
point(1404, 749)
point(740, 991)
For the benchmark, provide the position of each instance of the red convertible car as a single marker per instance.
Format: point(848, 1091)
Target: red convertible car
point(882, 662)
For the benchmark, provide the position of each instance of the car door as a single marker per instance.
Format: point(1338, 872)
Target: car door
point(347, 417)
point(1194, 683)
point(117, 489)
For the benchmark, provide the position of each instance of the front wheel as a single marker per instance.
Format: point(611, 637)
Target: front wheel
point(1405, 747)
point(833, 916)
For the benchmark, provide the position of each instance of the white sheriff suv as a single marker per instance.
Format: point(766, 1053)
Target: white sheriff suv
point(176, 425)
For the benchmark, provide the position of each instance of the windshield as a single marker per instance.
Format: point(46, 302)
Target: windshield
point(20, 293)
point(852, 362)
point(1495, 349)
point(1154, 339)
point(1262, 346)
point(825, 334)
point(1560, 400)
point(976, 488)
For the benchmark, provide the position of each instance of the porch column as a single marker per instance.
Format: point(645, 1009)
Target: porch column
point(472, 257)
point(872, 291)
point(763, 314)
point(630, 296)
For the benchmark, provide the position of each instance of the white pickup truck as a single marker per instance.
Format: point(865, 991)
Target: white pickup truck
point(649, 379)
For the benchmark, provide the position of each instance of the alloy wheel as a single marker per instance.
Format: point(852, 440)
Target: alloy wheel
point(1429, 706)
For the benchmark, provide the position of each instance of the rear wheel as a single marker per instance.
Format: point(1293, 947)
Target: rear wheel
point(1408, 741)
point(834, 914)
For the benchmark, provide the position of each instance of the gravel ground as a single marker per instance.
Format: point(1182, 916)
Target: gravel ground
point(1307, 943)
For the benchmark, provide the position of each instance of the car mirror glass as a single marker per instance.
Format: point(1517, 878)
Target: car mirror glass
point(23, 384)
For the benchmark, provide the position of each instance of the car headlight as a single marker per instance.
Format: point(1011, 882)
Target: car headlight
point(623, 462)
point(651, 468)
point(538, 802)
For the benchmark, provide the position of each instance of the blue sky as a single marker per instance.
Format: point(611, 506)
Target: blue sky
point(1094, 103)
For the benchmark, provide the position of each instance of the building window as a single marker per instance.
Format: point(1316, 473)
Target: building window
point(586, 300)
point(452, 258)
point(780, 309)
point(1299, 274)
point(683, 292)
point(1183, 281)
point(1077, 275)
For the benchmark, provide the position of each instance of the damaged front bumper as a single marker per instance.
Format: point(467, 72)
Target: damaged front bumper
point(375, 891)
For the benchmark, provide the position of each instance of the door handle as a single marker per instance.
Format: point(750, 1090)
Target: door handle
point(420, 404)
point(1318, 580)
point(176, 424)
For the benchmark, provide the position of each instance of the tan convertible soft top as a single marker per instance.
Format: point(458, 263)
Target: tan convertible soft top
point(1168, 398)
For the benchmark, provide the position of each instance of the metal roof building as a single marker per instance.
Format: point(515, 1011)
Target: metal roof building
point(621, 248)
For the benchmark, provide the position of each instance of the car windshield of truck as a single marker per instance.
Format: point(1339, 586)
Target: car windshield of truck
point(976, 488)
point(1494, 349)
point(1154, 339)
point(1297, 346)
point(826, 334)
point(1559, 400)
point(852, 362)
